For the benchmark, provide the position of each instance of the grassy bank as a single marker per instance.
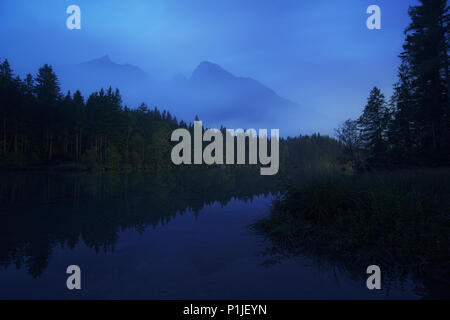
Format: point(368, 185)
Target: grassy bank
point(400, 220)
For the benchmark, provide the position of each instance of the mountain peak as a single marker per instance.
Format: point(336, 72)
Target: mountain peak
point(208, 70)
point(105, 58)
point(208, 64)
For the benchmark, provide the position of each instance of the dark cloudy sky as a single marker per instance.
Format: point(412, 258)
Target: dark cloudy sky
point(318, 53)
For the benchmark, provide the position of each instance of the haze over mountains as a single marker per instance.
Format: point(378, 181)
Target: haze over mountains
point(217, 96)
point(101, 73)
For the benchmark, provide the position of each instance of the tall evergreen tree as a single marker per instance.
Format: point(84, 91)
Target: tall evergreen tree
point(79, 122)
point(426, 51)
point(6, 88)
point(48, 96)
point(373, 128)
point(403, 124)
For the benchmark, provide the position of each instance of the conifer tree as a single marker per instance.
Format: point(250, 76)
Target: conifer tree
point(373, 128)
point(426, 51)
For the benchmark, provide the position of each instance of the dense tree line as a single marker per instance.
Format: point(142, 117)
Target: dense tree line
point(40, 125)
point(315, 152)
point(413, 127)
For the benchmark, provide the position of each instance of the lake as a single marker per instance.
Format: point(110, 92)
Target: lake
point(139, 236)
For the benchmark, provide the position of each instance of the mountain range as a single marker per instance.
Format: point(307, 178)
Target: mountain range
point(101, 73)
point(217, 96)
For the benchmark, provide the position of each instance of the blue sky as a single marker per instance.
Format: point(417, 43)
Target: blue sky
point(317, 53)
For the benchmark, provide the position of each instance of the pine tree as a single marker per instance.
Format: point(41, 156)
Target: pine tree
point(373, 128)
point(48, 96)
point(426, 52)
point(79, 122)
point(403, 124)
point(6, 88)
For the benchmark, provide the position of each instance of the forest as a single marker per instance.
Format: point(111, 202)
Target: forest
point(412, 128)
point(394, 211)
point(376, 193)
point(43, 128)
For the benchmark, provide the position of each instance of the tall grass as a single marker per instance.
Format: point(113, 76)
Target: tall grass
point(396, 219)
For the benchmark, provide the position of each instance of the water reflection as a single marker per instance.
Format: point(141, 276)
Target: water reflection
point(176, 235)
point(42, 211)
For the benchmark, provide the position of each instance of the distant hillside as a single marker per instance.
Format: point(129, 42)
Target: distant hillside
point(214, 94)
point(218, 96)
point(102, 73)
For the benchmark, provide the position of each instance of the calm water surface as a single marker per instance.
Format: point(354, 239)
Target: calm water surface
point(152, 238)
